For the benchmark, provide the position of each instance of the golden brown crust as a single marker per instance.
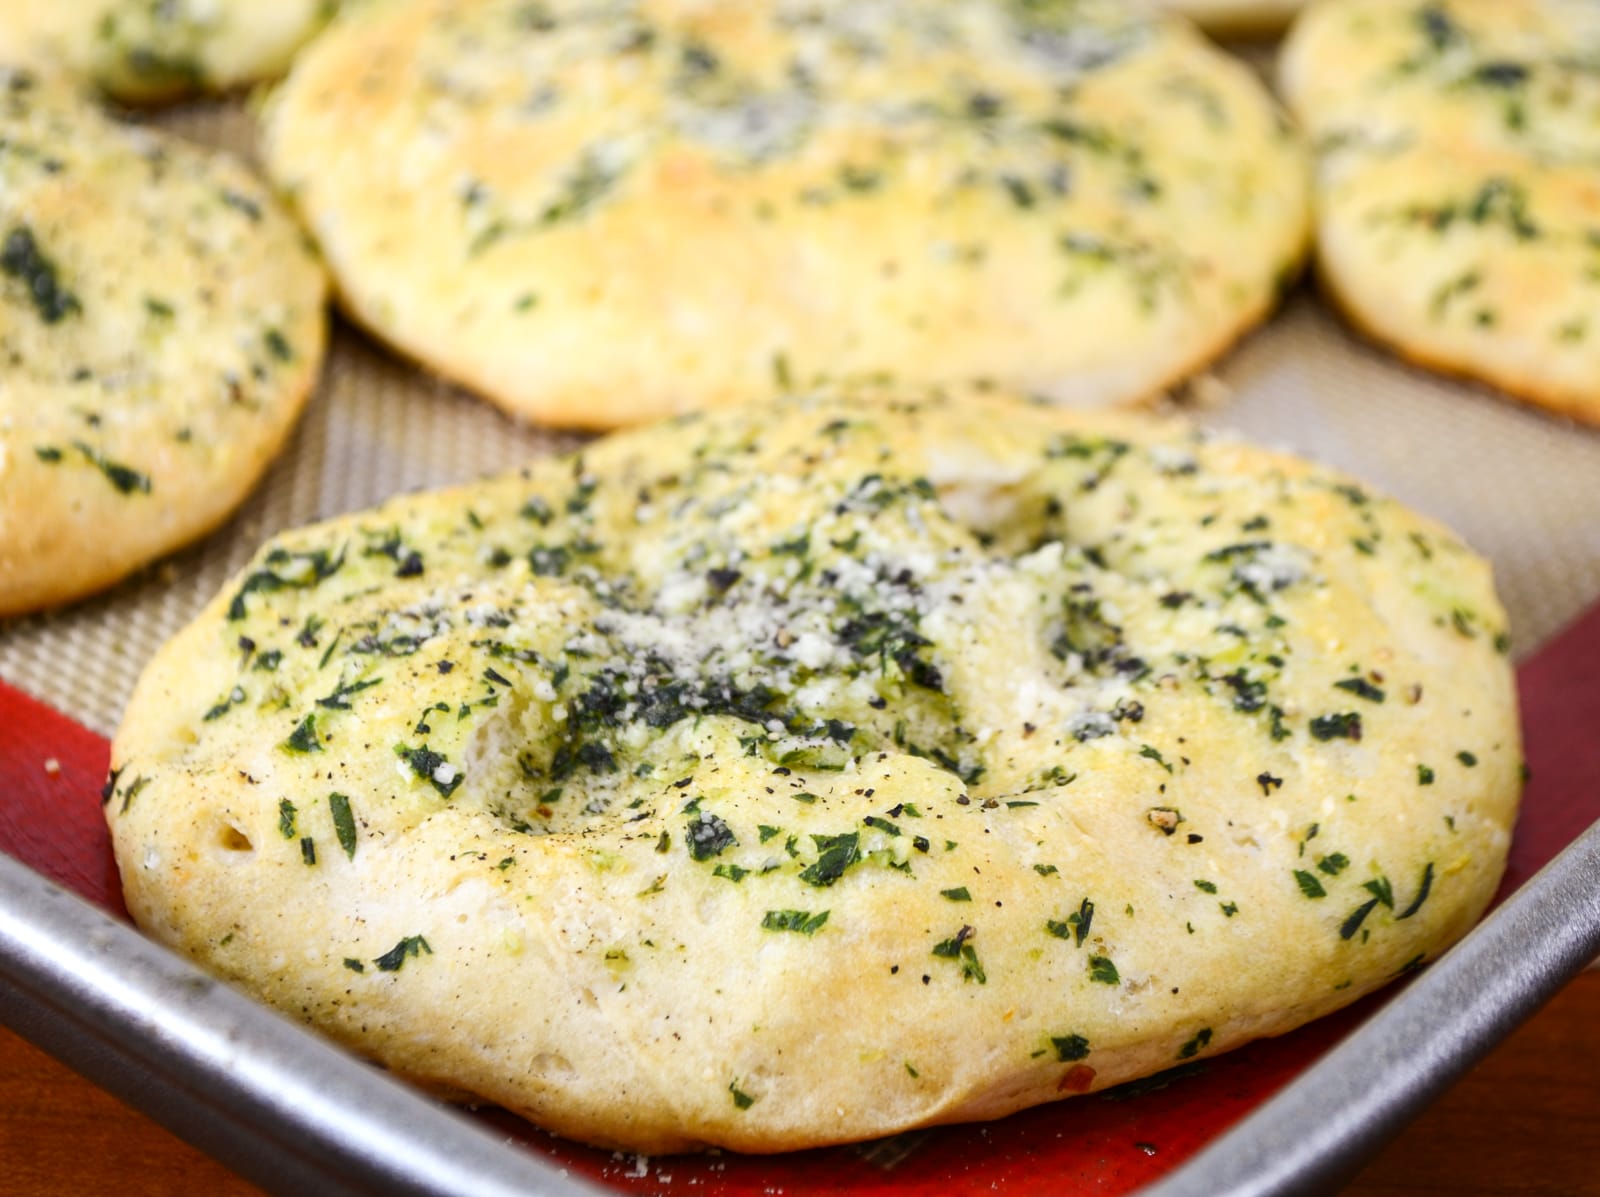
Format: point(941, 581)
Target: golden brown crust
point(1054, 748)
point(616, 212)
point(1457, 193)
point(162, 323)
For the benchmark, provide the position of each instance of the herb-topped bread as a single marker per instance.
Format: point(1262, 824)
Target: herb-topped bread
point(149, 51)
point(812, 771)
point(599, 212)
point(161, 324)
point(1457, 194)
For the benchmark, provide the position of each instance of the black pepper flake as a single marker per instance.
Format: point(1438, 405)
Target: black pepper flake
point(1268, 783)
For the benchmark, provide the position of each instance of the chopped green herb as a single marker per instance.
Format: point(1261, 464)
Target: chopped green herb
point(304, 737)
point(1356, 917)
point(1345, 726)
point(804, 922)
point(1075, 926)
point(1361, 688)
point(1423, 887)
point(431, 767)
point(344, 823)
point(23, 260)
point(286, 570)
point(957, 948)
point(707, 835)
point(1309, 885)
point(409, 947)
point(125, 479)
point(1201, 1040)
point(1070, 1048)
point(836, 854)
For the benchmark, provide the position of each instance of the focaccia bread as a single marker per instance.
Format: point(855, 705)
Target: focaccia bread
point(149, 51)
point(1457, 191)
point(162, 321)
point(813, 771)
point(1236, 18)
point(599, 212)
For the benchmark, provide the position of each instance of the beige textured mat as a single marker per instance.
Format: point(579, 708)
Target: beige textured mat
point(1523, 488)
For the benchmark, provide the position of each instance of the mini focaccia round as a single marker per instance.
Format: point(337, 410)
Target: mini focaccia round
point(150, 51)
point(1236, 18)
point(1056, 748)
point(161, 324)
point(597, 213)
point(1457, 191)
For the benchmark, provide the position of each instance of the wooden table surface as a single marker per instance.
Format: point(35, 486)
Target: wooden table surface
point(1526, 1120)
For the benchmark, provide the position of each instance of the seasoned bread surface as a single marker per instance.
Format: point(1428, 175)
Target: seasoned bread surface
point(151, 51)
point(808, 772)
point(1457, 191)
point(161, 325)
point(597, 213)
